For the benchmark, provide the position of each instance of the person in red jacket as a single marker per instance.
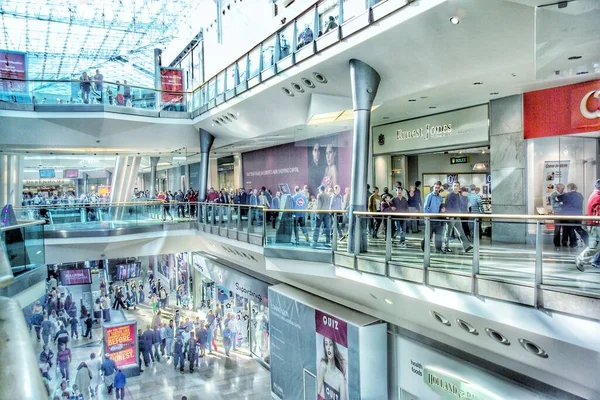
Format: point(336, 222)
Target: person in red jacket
point(589, 256)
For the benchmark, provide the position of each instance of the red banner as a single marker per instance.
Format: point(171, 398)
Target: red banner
point(75, 276)
point(171, 82)
point(12, 66)
point(563, 110)
point(119, 342)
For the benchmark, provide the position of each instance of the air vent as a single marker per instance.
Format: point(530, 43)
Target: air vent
point(222, 120)
point(533, 348)
point(216, 121)
point(308, 83)
point(465, 326)
point(297, 87)
point(440, 318)
point(232, 116)
point(319, 78)
point(497, 336)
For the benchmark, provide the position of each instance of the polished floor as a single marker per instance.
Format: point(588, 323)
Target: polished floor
point(217, 378)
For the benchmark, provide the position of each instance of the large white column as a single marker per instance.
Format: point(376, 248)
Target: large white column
point(123, 182)
point(11, 180)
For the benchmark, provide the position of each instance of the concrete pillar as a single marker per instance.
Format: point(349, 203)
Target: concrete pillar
point(365, 82)
point(206, 142)
point(85, 183)
point(186, 173)
point(123, 182)
point(238, 177)
point(108, 178)
point(508, 164)
point(157, 79)
point(153, 167)
point(11, 180)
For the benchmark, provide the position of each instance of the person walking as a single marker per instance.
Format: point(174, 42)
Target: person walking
point(300, 204)
point(120, 382)
point(432, 205)
point(573, 205)
point(556, 203)
point(192, 351)
point(374, 205)
point(88, 326)
point(589, 256)
point(202, 337)
point(108, 368)
point(169, 336)
point(94, 364)
point(227, 340)
point(83, 380)
point(156, 343)
point(46, 326)
point(63, 358)
point(178, 349)
point(454, 206)
point(322, 223)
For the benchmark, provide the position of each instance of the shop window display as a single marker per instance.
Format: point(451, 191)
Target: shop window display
point(259, 331)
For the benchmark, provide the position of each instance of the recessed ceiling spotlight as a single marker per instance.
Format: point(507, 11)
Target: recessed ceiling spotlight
point(423, 97)
point(386, 118)
point(433, 107)
point(533, 348)
point(238, 114)
point(493, 93)
point(477, 83)
point(297, 87)
point(389, 301)
point(412, 100)
point(373, 296)
point(454, 20)
point(582, 73)
point(440, 318)
point(319, 77)
point(308, 83)
point(287, 91)
point(574, 58)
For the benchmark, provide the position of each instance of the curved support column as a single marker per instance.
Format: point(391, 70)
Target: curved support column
point(123, 182)
point(11, 182)
point(365, 82)
point(206, 142)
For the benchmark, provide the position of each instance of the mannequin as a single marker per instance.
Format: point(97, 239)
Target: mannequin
point(261, 332)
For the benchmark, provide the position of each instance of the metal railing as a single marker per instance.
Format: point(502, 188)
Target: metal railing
point(323, 24)
point(22, 249)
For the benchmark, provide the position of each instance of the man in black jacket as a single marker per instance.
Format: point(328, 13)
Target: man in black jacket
point(454, 205)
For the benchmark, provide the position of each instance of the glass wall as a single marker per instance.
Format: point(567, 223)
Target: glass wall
point(285, 41)
point(269, 52)
point(305, 29)
point(254, 60)
point(559, 159)
point(328, 16)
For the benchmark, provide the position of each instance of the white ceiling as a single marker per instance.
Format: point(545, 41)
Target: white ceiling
point(419, 54)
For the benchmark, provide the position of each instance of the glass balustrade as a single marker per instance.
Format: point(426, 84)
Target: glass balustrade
point(24, 246)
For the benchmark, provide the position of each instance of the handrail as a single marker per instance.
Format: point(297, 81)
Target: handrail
point(22, 225)
point(306, 211)
point(479, 216)
point(122, 203)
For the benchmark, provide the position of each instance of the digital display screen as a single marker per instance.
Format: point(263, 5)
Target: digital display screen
point(46, 173)
point(75, 276)
point(127, 271)
point(71, 173)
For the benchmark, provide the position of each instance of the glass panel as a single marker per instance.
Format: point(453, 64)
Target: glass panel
point(231, 83)
point(242, 64)
point(211, 90)
point(254, 59)
point(198, 67)
point(352, 8)
point(305, 26)
point(269, 52)
point(328, 16)
point(221, 83)
point(259, 330)
point(285, 41)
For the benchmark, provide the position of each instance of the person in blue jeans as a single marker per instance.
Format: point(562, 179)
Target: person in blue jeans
point(178, 348)
point(227, 340)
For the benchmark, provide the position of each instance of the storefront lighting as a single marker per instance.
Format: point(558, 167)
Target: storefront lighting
point(388, 301)
point(480, 167)
point(454, 20)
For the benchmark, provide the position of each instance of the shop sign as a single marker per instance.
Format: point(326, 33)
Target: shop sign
point(120, 343)
point(451, 387)
point(561, 111)
point(468, 126)
point(47, 181)
point(239, 283)
point(459, 160)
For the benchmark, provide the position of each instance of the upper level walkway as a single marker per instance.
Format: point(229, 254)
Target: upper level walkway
point(530, 270)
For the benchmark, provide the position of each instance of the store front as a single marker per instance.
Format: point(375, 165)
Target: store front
point(243, 297)
point(561, 128)
point(446, 147)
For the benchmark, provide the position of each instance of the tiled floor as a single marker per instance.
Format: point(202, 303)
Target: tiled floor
point(218, 377)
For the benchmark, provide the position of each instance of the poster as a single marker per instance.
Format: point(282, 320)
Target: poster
point(323, 161)
point(332, 357)
point(70, 277)
point(171, 82)
point(554, 172)
point(13, 66)
point(120, 343)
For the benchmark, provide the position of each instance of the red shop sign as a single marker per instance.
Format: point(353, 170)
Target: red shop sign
point(563, 110)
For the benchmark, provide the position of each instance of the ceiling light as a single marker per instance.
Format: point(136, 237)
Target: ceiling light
point(582, 73)
point(412, 99)
point(477, 83)
point(480, 166)
point(574, 58)
point(493, 93)
point(432, 107)
point(386, 118)
point(454, 20)
point(423, 97)
point(388, 301)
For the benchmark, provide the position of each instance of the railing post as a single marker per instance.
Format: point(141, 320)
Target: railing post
point(426, 249)
point(539, 275)
point(340, 12)
point(388, 239)
point(334, 236)
point(357, 237)
point(475, 266)
point(264, 226)
point(238, 223)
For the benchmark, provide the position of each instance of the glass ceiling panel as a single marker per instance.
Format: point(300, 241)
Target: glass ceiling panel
point(65, 38)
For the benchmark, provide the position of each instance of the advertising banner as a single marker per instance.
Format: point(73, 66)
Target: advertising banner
point(323, 161)
point(13, 66)
point(171, 82)
point(332, 357)
point(562, 110)
point(468, 126)
point(70, 277)
point(120, 343)
point(554, 172)
point(425, 373)
point(329, 364)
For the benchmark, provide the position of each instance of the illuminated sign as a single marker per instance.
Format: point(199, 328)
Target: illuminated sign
point(450, 387)
point(459, 160)
point(120, 343)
